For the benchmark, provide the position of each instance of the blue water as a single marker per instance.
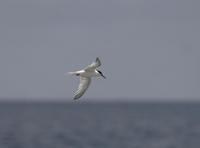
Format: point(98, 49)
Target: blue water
point(100, 125)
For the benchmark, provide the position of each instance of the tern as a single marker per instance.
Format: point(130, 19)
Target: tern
point(85, 77)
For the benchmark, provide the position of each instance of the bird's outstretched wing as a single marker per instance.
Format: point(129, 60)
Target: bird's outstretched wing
point(83, 85)
point(94, 65)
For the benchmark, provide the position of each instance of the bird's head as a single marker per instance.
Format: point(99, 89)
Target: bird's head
point(101, 74)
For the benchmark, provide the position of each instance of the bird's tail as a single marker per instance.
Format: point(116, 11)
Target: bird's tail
point(71, 73)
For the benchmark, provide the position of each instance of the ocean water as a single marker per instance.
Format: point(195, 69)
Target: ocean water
point(99, 125)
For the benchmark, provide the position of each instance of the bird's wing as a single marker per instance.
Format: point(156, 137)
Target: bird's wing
point(83, 85)
point(94, 65)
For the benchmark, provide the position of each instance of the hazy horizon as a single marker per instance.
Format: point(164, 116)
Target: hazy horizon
point(149, 49)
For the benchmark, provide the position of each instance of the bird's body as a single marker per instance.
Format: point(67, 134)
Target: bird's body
point(84, 73)
point(85, 77)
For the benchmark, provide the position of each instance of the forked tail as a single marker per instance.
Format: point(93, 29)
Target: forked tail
point(72, 73)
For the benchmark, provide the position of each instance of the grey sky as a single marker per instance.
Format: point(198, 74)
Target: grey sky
point(149, 48)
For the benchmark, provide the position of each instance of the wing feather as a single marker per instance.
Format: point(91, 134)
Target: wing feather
point(94, 65)
point(83, 85)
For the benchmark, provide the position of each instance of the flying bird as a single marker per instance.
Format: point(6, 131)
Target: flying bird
point(85, 77)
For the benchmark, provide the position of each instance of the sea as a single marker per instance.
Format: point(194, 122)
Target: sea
point(99, 125)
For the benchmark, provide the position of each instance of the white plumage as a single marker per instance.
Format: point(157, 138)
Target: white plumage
point(85, 77)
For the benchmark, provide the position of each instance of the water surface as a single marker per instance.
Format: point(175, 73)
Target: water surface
point(99, 125)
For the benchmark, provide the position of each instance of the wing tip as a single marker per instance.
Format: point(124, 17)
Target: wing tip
point(77, 96)
point(97, 59)
point(75, 99)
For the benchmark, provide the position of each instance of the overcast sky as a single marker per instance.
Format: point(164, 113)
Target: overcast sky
point(149, 48)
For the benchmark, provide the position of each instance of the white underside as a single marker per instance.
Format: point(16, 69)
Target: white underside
point(85, 77)
point(84, 73)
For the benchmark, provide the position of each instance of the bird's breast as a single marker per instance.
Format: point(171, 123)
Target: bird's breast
point(88, 74)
